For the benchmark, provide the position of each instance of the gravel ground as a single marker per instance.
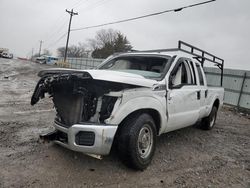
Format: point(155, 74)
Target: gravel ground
point(185, 158)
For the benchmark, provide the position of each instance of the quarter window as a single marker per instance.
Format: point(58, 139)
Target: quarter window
point(192, 67)
point(200, 74)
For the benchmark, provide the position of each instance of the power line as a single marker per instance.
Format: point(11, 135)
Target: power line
point(54, 43)
point(91, 5)
point(79, 3)
point(144, 16)
point(94, 5)
point(56, 32)
point(59, 23)
point(55, 24)
point(62, 18)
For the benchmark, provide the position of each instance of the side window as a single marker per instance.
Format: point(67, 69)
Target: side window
point(181, 74)
point(192, 67)
point(190, 79)
point(200, 74)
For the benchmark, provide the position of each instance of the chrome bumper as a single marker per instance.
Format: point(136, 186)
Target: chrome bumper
point(103, 139)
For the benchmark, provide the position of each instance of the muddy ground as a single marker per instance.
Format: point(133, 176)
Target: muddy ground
point(186, 158)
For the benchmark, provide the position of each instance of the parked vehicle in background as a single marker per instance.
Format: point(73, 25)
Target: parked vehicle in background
point(41, 60)
point(50, 60)
point(7, 55)
point(3, 50)
point(129, 100)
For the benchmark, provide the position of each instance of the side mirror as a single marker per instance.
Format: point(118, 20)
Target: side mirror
point(170, 82)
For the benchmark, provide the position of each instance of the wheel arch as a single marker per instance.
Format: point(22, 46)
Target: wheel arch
point(152, 112)
point(216, 103)
point(149, 105)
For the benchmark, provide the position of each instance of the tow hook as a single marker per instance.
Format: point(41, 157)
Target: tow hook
point(49, 136)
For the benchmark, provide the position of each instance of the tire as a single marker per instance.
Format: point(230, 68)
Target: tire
point(137, 141)
point(208, 123)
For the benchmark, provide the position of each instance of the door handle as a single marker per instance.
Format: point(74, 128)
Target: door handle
point(206, 92)
point(198, 95)
point(170, 96)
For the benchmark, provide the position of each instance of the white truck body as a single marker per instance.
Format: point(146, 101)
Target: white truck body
point(171, 103)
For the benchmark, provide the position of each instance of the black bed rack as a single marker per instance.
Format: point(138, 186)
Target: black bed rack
point(198, 53)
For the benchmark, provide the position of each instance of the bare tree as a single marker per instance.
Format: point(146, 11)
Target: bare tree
point(46, 52)
point(92, 43)
point(74, 51)
point(105, 37)
point(107, 42)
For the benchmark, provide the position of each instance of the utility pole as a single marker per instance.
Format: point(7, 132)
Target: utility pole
point(32, 53)
point(40, 48)
point(72, 13)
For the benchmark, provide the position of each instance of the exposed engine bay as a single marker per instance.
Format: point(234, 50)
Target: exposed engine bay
point(78, 97)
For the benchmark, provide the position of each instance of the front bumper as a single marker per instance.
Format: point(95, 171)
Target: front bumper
point(101, 145)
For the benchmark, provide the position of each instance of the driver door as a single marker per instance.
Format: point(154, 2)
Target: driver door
point(183, 100)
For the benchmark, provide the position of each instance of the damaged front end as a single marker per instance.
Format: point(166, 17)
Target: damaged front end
point(82, 104)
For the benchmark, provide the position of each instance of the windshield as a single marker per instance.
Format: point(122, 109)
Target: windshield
point(146, 66)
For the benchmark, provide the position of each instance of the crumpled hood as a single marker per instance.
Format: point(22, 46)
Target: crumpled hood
point(106, 75)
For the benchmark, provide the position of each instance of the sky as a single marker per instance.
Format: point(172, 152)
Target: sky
point(221, 27)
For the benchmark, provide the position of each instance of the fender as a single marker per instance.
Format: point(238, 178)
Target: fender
point(211, 101)
point(124, 109)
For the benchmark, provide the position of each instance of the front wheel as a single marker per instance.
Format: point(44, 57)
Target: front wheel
point(137, 141)
point(208, 123)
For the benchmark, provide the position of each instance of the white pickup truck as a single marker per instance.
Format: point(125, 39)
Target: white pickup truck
point(129, 100)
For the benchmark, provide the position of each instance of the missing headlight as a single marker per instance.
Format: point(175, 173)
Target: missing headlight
point(108, 103)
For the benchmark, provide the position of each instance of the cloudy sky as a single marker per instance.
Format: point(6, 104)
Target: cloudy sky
point(221, 27)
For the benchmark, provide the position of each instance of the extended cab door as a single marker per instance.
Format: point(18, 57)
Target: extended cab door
point(183, 99)
point(203, 89)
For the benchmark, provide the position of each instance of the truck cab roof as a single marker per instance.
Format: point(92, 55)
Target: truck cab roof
point(183, 50)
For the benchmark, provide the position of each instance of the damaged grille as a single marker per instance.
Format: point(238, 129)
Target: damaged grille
point(46, 83)
point(77, 97)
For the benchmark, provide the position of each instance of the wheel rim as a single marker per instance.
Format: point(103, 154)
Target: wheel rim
point(145, 141)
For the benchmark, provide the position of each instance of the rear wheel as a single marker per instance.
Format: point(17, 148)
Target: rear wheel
point(137, 140)
point(208, 123)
